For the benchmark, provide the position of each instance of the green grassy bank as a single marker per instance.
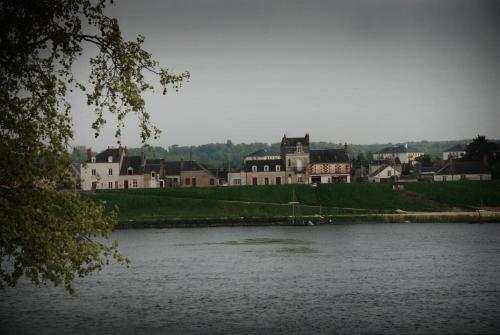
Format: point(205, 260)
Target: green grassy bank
point(254, 203)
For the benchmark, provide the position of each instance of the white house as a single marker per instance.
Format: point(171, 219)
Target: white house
point(457, 151)
point(459, 170)
point(102, 171)
point(383, 173)
point(401, 153)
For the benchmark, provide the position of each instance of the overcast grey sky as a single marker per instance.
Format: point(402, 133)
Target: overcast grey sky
point(359, 71)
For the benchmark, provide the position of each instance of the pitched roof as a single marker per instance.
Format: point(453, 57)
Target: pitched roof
point(262, 153)
point(328, 156)
point(272, 163)
point(462, 167)
point(458, 147)
point(102, 157)
point(397, 150)
point(292, 141)
point(153, 165)
point(380, 169)
point(134, 162)
point(172, 168)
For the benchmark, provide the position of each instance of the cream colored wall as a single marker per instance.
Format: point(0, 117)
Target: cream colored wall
point(236, 175)
point(130, 178)
point(261, 176)
point(102, 177)
point(457, 177)
point(202, 178)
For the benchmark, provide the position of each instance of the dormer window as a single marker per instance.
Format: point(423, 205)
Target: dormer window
point(110, 159)
point(153, 174)
point(92, 159)
point(278, 168)
point(300, 148)
point(130, 171)
point(266, 168)
point(254, 168)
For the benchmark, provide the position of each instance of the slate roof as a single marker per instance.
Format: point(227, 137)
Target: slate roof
point(458, 147)
point(400, 149)
point(135, 162)
point(262, 153)
point(153, 165)
point(292, 141)
point(272, 163)
point(380, 169)
point(172, 168)
point(461, 167)
point(328, 156)
point(102, 157)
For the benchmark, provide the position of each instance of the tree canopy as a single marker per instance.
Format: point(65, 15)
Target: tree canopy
point(45, 233)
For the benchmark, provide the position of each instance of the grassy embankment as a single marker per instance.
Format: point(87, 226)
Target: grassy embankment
point(343, 202)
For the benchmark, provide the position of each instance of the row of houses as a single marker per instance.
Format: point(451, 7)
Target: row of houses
point(115, 169)
point(295, 163)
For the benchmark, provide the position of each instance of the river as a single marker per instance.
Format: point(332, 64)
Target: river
point(345, 279)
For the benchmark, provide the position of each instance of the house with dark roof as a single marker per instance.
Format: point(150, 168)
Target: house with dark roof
point(264, 172)
point(195, 174)
point(295, 164)
point(384, 172)
point(295, 154)
point(102, 170)
point(455, 170)
point(456, 151)
point(403, 153)
point(329, 166)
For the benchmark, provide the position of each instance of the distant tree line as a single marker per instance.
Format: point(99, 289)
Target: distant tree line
point(230, 156)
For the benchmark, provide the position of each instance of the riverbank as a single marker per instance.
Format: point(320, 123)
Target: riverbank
point(431, 217)
point(269, 205)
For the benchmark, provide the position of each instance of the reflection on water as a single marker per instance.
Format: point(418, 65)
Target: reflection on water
point(373, 278)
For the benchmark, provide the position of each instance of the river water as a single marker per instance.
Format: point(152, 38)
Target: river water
point(345, 279)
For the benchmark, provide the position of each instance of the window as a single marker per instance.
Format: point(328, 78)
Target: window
point(110, 159)
point(254, 168)
point(94, 172)
point(110, 184)
point(300, 148)
point(188, 181)
point(278, 180)
point(237, 181)
point(289, 163)
point(92, 159)
point(212, 181)
point(254, 181)
point(389, 173)
point(130, 171)
point(134, 183)
point(278, 168)
point(444, 178)
point(299, 179)
point(152, 174)
point(266, 168)
point(266, 181)
point(110, 172)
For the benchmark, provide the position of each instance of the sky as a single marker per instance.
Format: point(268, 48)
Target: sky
point(355, 71)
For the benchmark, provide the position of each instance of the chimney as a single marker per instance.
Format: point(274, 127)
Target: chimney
point(143, 158)
point(89, 153)
point(307, 139)
point(345, 148)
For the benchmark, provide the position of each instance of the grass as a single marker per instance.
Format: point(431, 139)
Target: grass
point(271, 201)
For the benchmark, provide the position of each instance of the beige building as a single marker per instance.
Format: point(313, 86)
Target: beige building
point(384, 172)
point(264, 172)
point(194, 174)
point(102, 171)
point(295, 155)
point(401, 154)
